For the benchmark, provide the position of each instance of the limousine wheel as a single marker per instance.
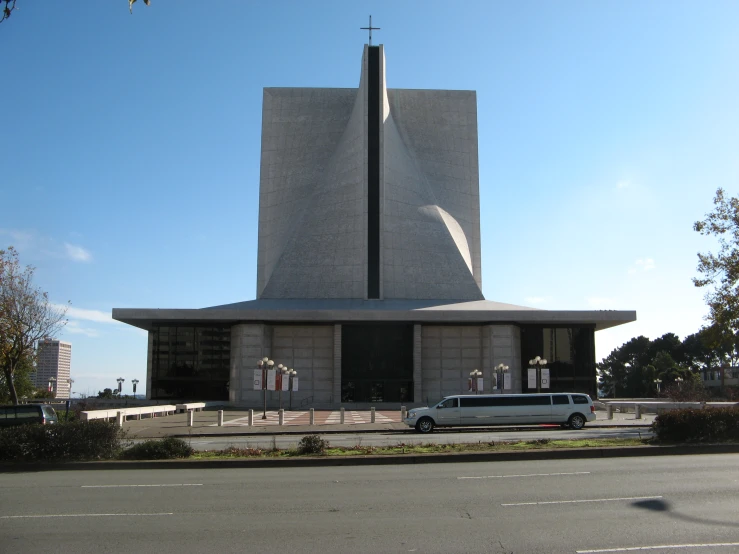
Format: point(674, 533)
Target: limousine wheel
point(425, 425)
point(577, 421)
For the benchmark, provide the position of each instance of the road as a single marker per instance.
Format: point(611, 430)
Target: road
point(535, 507)
point(393, 438)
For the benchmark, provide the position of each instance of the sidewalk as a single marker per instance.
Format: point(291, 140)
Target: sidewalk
point(235, 422)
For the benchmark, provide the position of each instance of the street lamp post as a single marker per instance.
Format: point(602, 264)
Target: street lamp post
point(282, 371)
point(265, 364)
point(69, 382)
point(658, 382)
point(134, 382)
point(120, 385)
point(292, 374)
point(52, 386)
point(538, 363)
point(679, 381)
point(474, 375)
point(500, 372)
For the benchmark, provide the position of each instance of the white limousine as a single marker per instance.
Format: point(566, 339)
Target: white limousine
point(566, 408)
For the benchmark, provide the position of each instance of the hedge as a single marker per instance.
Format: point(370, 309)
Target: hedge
point(694, 425)
point(74, 440)
point(164, 449)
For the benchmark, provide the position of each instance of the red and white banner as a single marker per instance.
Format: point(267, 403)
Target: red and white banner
point(271, 379)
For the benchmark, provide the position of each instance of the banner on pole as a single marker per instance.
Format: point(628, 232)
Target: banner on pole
point(258, 383)
point(479, 384)
point(507, 381)
point(532, 378)
point(545, 377)
point(284, 383)
point(271, 379)
point(295, 383)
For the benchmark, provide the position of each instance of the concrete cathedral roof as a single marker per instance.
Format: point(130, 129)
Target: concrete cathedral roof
point(356, 311)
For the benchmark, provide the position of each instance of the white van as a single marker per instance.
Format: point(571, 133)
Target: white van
point(568, 409)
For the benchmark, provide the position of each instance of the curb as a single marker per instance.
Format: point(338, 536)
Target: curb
point(559, 454)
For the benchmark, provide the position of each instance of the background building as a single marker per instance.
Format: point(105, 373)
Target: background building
point(54, 360)
point(368, 270)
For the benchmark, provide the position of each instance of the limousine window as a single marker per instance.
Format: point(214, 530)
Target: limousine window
point(472, 401)
point(577, 399)
point(450, 403)
point(560, 399)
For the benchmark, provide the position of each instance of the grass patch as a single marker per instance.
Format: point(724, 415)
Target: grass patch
point(404, 449)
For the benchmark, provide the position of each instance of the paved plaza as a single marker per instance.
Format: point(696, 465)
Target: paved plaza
point(236, 422)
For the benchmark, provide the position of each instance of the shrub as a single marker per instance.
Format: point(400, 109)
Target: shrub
point(74, 440)
point(169, 448)
point(694, 425)
point(312, 444)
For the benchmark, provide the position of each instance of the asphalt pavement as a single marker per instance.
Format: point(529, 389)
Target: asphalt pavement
point(666, 505)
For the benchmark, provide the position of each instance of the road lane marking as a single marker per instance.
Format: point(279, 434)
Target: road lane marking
point(84, 515)
point(582, 501)
point(124, 486)
point(659, 547)
point(527, 475)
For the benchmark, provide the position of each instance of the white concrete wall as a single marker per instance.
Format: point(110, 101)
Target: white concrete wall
point(309, 349)
point(250, 342)
point(448, 354)
point(505, 341)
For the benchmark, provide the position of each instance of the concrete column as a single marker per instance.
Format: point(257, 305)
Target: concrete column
point(251, 418)
point(609, 411)
point(372, 415)
point(417, 365)
point(403, 412)
point(121, 419)
point(190, 417)
point(637, 411)
point(312, 416)
point(220, 418)
point(336, 389)
point(341, 415)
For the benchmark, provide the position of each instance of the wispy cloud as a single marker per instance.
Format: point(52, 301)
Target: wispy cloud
point(642, 264)
point(75, 328)
point(34, 244)
point(88, 315)
point(77, 253)
point(535, 299)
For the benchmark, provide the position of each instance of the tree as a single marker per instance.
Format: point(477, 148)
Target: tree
point(720, 272)
point(106, 393)
point(26, 316)
point(24, 386)
point(10, 6)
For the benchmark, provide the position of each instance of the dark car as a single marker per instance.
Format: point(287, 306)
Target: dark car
point(10, 416)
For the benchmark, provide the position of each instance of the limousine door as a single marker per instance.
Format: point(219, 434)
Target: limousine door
point(447, 412)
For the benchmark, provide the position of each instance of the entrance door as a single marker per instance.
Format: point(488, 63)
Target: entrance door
point(376, 363)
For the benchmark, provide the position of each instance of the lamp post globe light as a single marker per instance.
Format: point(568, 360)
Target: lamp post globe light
point(281, 370)
point(658, 382)
point(134, 382)
point(474, 375)
point(120, 385)
point(679, 381)
point(538, 363)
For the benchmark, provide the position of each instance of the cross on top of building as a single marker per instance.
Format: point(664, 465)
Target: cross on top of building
point(370, 29)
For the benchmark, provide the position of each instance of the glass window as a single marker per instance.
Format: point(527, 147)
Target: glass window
point(560, 399)
point(579, 399)
point(450, 403)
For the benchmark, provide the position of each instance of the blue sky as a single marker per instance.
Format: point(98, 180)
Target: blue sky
point(131, 147)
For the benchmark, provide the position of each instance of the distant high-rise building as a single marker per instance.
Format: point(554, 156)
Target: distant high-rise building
point(54, 360)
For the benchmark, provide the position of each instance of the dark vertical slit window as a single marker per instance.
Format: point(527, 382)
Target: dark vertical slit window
point(373, 173)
